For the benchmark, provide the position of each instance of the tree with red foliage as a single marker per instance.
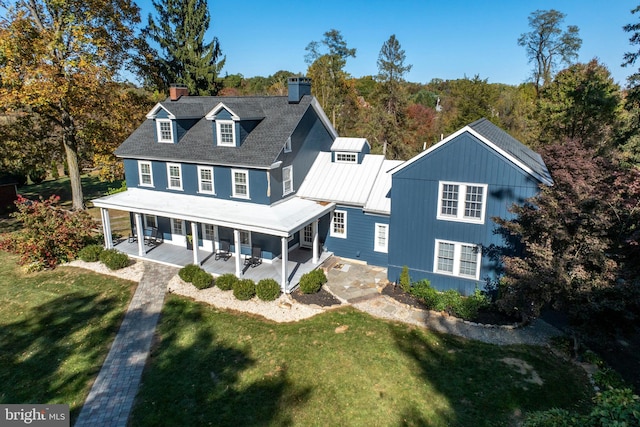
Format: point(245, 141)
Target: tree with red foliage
point(49, 234)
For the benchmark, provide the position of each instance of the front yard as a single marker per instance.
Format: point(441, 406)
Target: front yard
point(55, 331)
point(213, 367)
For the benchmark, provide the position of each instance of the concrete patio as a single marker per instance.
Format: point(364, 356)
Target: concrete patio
point(299, 261)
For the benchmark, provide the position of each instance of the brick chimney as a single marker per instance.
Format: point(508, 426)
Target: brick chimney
point(177, 91)
point(298, 87)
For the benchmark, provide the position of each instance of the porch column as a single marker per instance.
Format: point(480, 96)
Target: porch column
point(140, 232)
point(285, 259)
point(194, 237)
point(106, 228)
point(316, 242)
point(236, 242)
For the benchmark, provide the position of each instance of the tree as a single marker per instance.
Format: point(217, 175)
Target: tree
point(55, 59)
point(631, 57)
point(327, 72)
point(548, 46)
point(579, 241)
point(184, 57)
point(393, 97)
point(582, 103)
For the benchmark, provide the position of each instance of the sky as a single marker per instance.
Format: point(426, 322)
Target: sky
point(445, 39)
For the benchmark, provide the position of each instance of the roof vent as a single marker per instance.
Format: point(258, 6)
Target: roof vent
point(298, 87)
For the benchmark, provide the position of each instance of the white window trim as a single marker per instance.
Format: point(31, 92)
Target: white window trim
point(140, 163)
point(376, 244)
point(179, 166)
point(183, 222)
point(456, 260)
point(245, 245)
point(160, 139)
point(233, 183)
point(287, 145)
point(146, 222)
point(462, 193)
point(348, 154)
point(219, 124)
point(213, 186)
point(284, 187)
point(204, 234)
point(331, 229)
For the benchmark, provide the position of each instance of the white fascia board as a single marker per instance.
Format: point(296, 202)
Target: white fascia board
point(211, 115)
point(154, 112)
point(323, 117)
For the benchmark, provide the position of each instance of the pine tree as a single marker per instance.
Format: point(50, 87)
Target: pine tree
point(183, 55)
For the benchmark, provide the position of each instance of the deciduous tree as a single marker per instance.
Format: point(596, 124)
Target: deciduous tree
point(56, 59)
point(548, 46)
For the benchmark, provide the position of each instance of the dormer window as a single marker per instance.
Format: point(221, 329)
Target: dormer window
point(165, 130)
point(346, 157)
point(226, 130)
point(287, 145)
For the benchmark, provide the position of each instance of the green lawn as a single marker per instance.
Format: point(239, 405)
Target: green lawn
point(55, 331)
point(212, 367)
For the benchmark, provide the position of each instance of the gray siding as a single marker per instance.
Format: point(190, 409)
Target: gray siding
point(414, 226)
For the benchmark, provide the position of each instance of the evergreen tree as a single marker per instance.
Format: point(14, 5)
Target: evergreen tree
point(183, 55)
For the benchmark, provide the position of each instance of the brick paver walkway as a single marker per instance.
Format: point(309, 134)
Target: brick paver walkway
point(111, 397)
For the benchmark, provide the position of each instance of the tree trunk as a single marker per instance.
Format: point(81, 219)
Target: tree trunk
point(71, 151)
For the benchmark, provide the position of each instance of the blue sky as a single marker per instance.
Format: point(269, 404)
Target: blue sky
point(445, 39)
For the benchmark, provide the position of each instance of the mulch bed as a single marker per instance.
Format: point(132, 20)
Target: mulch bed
point(321, 298)
point(488, 316)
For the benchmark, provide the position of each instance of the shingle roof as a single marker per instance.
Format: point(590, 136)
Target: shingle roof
point(260, 148)
point(512, 146)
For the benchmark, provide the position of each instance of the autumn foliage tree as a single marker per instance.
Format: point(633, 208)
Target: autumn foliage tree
point(57, 60)
point(580, 239)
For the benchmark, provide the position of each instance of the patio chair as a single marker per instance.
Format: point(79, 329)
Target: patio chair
point(224, 250)
point(133, 235)
point(255, 259)
point(152, 236)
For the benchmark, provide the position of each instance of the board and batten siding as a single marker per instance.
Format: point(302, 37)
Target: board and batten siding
point(360, 240)
point(414, 227)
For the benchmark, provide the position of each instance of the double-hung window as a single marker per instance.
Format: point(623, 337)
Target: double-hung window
point(177, 226)
point(145, 174)
point(381, 243)
point(226, 133)
point(205, 180)
point(287, 180)
point(240, 183)
point(150, 221)
point(174, 176)
point(165, 130)
point(339, 224)
point(462, 202)
point(209, 232)
point(457, 259)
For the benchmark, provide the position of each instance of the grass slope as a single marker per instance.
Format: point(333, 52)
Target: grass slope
point(212, 367)
point(55, 331)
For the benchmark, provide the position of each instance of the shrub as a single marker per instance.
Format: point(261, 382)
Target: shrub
point(311, 282)
point(187, 272)
point(405, 279)
point(450, 301)
point(226, 281)
point(267, 289)
point(49, 234)
point(113, 259)
point(202, 279)
point(90, 253)
point(244, 289)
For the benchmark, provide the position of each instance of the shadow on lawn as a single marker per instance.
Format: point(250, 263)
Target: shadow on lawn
point(41, 359)
point(92, 187)
point(200, 382)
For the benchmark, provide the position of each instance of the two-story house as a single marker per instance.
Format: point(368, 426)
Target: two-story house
point(239, 173)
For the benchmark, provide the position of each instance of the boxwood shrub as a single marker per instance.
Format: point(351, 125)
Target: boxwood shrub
point(244, 289)
point(267, 289)
point(187, 272)
point(311, 282)
point(90, 253)
point(113, 259)
point(226, 281)
point(202, 279)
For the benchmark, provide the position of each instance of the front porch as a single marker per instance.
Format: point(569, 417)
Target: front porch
point(299, 262)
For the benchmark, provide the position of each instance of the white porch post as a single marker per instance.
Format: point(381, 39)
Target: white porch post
point(285, 258)
point(140, 232)
point(316, 242)
point(106, 228)
point(194, 237)
point(236, 242)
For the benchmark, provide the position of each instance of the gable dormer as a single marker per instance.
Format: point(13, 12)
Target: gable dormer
point(231, 128)
point(349, 150)
point(165, 124)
